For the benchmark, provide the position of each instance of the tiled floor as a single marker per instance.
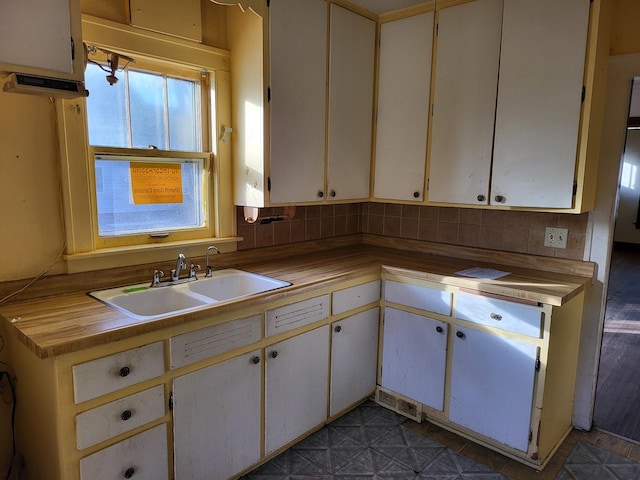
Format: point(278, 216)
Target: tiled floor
point(374, 443)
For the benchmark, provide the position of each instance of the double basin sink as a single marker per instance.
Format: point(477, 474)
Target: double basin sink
point(143, 302)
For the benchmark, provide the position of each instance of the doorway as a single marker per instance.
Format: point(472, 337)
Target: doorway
point(618, 385)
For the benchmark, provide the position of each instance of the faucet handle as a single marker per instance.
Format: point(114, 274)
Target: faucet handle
point(157, 274)
point(192, 270)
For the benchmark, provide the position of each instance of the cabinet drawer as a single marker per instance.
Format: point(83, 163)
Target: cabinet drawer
point(354, 297)
point(107, 421)
point(211, 341)
point(511, 316)
point(418, 296)
point(296, 315)
point(108, 374)
point(141, 457)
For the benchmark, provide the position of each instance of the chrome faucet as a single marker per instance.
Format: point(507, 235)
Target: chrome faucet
point(209, 268)
point(181, 264)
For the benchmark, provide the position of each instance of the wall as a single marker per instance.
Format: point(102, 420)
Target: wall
point(625, 35)
point(629, 193)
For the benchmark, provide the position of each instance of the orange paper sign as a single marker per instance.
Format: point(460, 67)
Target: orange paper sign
point(156, 183)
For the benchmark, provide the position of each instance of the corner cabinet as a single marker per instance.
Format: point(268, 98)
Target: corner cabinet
point(42, 37)
point(311, 91)
point(404, 84)
point(497, 370)
point(514, 49)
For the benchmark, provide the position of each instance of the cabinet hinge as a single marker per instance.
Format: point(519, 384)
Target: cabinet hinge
point(171, 401)
point(575, 188)
point(584, 93)
point(428, 184)
point(268, 3)
point(437, 26)
point(268, 184)
point(530, 435)
point(73, 49)
point(537, 364)
point(268, 94)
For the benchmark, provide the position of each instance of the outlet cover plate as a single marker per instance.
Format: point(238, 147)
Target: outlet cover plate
point(556, 237)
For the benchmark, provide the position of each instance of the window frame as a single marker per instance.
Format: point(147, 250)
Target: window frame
point(85, 251)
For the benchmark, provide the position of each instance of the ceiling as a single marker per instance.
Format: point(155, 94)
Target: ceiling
point(384, 6)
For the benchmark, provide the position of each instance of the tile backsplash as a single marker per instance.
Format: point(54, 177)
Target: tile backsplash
point(521, 232)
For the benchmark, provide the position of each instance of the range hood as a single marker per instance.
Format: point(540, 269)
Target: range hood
point(37, 85)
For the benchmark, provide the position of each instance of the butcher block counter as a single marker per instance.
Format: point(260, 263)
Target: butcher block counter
point(214, 392)
point(60, 324)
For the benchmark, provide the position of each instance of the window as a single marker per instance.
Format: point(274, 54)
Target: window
point(136, 127)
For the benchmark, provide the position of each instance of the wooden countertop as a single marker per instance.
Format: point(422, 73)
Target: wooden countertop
point(56, 325)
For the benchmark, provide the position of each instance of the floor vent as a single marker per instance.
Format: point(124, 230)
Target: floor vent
point(399, 404)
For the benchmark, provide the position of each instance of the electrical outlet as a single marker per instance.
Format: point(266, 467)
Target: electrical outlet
point(556, 237)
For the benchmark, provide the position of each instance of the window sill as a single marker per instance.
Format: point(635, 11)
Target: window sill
point(140, 254)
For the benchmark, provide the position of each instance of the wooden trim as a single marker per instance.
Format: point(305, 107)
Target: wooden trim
point(429, 6)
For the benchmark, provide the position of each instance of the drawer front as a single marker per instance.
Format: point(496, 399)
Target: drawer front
point(107, 421)
point(418, 296)
point(510, 316)
point(354, 297)
point(141, 457)
point(108, 374)
point(211, 341)
point(296, 315)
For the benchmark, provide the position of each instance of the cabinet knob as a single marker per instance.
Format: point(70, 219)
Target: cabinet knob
point(481, 198)
point(496, 316)
point(459, 334)
point(274, 354)
point(338, 328)
point(124, 371)
point(500, 199)
point(129, 472)
point(332, 193)
point(439, 329)
point(255, 360)
point(126, 415)
point(416, 194)
point(320, 194)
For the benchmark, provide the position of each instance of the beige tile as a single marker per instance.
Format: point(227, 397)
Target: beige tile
point(264, 235)
point(340, 209)
point(340, 225)
point(327, 211)
point(364, 223)
point(312, 231)
point(447, 233)
point(470, 216)
point(428, 230)
point(326, 227)
point(314, 211)
point(575, 247)
point(543, 219)
point(297, 230)
point(575, 223)
point(392, 210)
point(536, 243)
point(354, 208)
point(247, 232)
point(516, 239)
point(429, 212)
point(281, 232)
point(491, 236)
point(517, 219)
point(469, 235)
point(375, 224)
point(376, 208)
point(493, 218)
point(410, 211)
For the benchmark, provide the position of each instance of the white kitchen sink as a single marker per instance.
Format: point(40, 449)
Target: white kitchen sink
point(143, 302)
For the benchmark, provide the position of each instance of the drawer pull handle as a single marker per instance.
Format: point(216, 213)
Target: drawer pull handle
point(500, 198)
point(129, 473)
point(337, 329)
point(459, 334)
point(481, 198)
point(333, 193)
point(124, 371)
point(274, 354)
point(496, 316)
point(126, 415)
point(320, 194)
point(416, 194)
point(255, 360)
point(439, 329)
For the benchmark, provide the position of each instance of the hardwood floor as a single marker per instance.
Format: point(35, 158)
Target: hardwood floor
point(618, 390)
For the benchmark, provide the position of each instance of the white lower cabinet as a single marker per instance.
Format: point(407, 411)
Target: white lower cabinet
point(216, 419)
point(296, 384)
point(414, 354)
point(354, 353)
point(492, 385)
point(142, 457)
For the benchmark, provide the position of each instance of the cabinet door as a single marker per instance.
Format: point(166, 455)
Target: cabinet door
point(539, 102)
point(216, 418)
point(296, 385)
point(414, 352)
point(492, 380)
point(404, 84)
point(354, 355)
point(298, 44)
point(464, 106)
point(351, 72)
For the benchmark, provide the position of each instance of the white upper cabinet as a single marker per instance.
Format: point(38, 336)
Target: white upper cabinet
point(351, 73)
point(404, 86)
point(539, 102)
point(464, 105)
point(42, 38)
point(298, 65)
